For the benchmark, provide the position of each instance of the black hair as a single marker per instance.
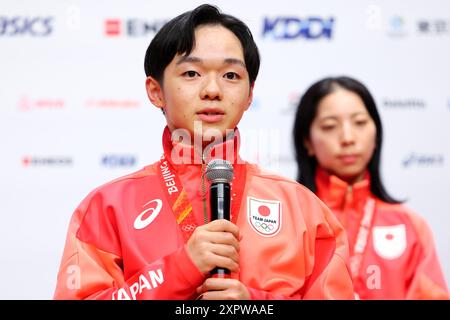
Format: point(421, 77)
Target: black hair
point(306, 112)
point(178, 37)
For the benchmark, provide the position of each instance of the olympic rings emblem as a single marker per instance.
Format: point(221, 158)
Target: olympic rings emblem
point(264, 226)
point(189, 227)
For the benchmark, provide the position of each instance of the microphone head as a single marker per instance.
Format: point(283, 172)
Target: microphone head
point(219, 170)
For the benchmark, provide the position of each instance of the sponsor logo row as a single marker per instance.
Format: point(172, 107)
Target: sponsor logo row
point(26, 103)
point(273, 27)
point(108, 161)
point(414, 159)
point(276, 27)
point(410, 103)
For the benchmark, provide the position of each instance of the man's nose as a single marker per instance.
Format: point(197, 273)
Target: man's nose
point(211, 89)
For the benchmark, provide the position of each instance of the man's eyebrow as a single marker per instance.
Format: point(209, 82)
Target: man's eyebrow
point(193, 59)
point(234, 61)
point(187, 59)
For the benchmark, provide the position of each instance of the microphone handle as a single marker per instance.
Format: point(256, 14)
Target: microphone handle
point(220, 209)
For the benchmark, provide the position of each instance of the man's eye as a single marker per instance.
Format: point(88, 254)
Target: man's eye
point(231, 76)
point(191, 74)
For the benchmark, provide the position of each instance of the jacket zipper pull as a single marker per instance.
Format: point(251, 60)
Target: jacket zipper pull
point(348, 196)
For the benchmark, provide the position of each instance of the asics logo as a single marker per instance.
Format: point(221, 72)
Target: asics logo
point(141, 223)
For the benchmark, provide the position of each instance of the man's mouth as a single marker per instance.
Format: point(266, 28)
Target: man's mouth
point(211, 116)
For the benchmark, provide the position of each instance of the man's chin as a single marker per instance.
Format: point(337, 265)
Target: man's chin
point(210, 131)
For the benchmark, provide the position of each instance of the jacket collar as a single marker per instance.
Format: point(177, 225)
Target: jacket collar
point(336, 192)
point(179, 153)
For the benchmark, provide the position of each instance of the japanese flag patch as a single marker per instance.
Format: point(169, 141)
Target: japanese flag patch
point(389, 241)
point(264, 216)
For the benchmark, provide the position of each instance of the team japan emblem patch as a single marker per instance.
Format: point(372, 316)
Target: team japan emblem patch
point(264, 216)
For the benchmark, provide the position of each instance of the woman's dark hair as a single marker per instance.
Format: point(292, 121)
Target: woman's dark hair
point(178, 37)
point(306, 112)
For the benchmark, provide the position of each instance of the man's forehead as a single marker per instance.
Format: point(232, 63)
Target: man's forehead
point(180, 59)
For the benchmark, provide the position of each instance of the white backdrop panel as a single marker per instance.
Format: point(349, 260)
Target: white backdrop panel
point(74, 112)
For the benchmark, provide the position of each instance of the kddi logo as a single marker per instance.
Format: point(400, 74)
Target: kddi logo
point(293, 27)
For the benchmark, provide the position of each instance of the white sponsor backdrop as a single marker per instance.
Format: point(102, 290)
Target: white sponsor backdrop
point(74, 112)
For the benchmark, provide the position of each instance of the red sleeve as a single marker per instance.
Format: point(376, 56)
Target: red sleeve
point(256, 294)
point(326, 253)
point(428, 280)
point(330, 277)
point(88, 272)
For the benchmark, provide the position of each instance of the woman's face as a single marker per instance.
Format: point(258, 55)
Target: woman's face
point(342, 135)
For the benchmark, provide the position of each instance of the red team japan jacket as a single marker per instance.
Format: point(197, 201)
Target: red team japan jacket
point(126, 240)
point(399, 260)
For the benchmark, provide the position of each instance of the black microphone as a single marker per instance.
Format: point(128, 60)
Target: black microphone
point(220, 173)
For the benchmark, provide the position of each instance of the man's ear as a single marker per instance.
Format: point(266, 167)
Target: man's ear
point(309, 147)
point(250, 96)
point(154, 92)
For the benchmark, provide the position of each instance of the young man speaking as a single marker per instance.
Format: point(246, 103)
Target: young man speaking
point(149, 235)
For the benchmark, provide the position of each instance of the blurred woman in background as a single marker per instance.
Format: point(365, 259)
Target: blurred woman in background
point(338, 138)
